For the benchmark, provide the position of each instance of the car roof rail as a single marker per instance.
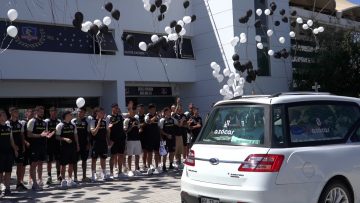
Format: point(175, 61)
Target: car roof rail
point(299, 93)
point(249, 96)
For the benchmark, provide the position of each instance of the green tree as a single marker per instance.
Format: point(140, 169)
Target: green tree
point(336, 64)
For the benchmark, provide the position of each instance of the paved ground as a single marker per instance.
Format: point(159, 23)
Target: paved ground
point(164, 188)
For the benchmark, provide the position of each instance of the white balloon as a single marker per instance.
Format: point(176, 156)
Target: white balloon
point(259, 45)
point(310, 23)
point(242, 81)
point(187, 19)
point(80, 102)
point(316, 31)
point(299, 20)
point(226, 87)
point(232, 76)
point(282, 40)
point(236, 94)
point(12, 31)
point(180, 22)
point(234, 41)
point(182, 32)
point(147, 6)
point(271, 52)
point(213, 64)
point(142, 46)
point(226, 72)
point(241, 92)
point(238, 88)
point(175, 36)
point(222, 92)
point(305, 26)
point(258, 12)
point(167, 39)
point(97, 22)
point(292, 34)
point(84, 28)
point(270, 33)
point(230, 82)
point(154, 38)
point(217, 68)
point(107, 20)
point(237, 76)
point(267, 12)
point(321, 29)
point(88, 24)
point(243, 40)
point(215, 74)
point(12, 14)
point(258, 38)
point(168, 30)
point(220, 78)
point(242, 35)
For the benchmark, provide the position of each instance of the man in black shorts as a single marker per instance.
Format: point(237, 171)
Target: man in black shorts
point(101, 141)
point(53, 145)
point(69, 147)
point(7, 151)
point(140, 116)
point(118, 138)
point(82, 124)
point(29, 114)
point(152, 135)
point(37, 134)
point(168, 128)
point(18, 136)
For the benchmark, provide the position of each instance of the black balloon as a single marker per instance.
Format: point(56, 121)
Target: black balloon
point(130, 39)
point(277, 23)
point(123, 37)
point(94, 29)
point(158, 3)
point(285, 54)
point(237, 65)
point(242, 68)
point(285, 19)
point(258, 23)
point(193, 18)
point(273, 6)
point(293, 23)
point(79, 16)
point(163, 8)
point(282, 12)
point(77, 24)
point(173, 23)
point(104, 29)
point(248, 65)
point(293, 13)
point(277, 55)
point(271, 12)
point(249, 13)
point(108, 6)
point(235, 57)
point(248, 79)
point(116, 14)
point(152, 8)
point(186, 4)
point(178, 28)
point(244, 19)
point(161, 17)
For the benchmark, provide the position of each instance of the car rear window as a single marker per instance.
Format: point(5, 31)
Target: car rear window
point(235, 125)
point(321, 122)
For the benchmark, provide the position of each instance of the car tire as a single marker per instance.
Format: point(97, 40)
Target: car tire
point(336, 188)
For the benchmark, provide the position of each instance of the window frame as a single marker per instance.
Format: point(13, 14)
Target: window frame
point(321, 142)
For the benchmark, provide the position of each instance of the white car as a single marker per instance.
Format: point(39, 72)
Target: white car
point(285, 148)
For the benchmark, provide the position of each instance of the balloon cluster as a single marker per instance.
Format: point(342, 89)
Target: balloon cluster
point(281, 54)
point(97, 26)
point(308, 25)
point(245, 19)
point(157, 44)
point(161, 5)
point(11, 30)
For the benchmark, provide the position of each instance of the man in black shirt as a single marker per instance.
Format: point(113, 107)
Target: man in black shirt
point(66, 133)
point(7, 151)
point(181, 136)
point(195, 124)
point(152, 136)
point(168, 129)
point(18, 136)
point(101, 141)
point(133, 144)
point(29, 114)
point(37, 134)
point(53, 145)
point(82, 124)
point(118, 138)
point(140, 116)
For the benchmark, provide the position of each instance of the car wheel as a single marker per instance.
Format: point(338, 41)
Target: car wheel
point(336, 192)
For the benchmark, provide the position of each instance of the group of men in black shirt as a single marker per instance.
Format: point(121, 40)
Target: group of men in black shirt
point(67, 140)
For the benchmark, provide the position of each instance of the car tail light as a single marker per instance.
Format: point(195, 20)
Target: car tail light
point(190, 160)
point(262, 163)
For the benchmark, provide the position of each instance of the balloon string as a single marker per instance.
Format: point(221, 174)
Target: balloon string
point(3, 41)
point(6, 47)
point(164, 67)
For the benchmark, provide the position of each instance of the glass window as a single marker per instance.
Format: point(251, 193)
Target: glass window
point(321, 122)
point(240, 125)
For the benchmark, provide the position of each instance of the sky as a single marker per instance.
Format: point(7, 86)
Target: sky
point(355, 1)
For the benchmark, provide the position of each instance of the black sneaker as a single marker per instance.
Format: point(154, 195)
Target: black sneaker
point(171, 166)
point(21, 186)
point(7, 192)
point(164, 169)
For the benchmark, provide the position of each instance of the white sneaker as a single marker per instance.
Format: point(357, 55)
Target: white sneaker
point(94, 177)
point(41, 184)
point(131, 174)
point(150, 171)
point(71, 183)
point(152, 167)
point(156, 171)
point(2, 187)
point(111, 176)
point(63, 184)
